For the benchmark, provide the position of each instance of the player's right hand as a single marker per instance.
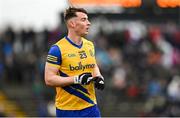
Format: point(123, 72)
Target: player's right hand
point(84, 78)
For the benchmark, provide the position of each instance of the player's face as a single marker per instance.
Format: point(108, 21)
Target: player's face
point(82, 24)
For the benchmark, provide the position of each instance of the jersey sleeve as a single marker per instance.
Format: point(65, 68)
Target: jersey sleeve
point(54, 56)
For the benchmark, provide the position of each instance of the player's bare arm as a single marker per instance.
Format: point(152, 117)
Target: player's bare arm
point(52, 79)
point(96, 71)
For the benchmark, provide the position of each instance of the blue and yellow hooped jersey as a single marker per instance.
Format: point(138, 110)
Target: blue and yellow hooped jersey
point(71, 60)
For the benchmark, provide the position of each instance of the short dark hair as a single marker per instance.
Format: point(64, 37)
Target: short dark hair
point(71, 12)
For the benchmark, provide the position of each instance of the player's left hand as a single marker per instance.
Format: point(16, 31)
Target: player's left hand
point(99, 82)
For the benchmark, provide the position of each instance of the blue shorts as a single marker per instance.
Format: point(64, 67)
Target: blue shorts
point(87, 112)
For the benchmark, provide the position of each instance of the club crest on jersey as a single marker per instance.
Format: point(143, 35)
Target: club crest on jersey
point(81, 67)
point(91, 53)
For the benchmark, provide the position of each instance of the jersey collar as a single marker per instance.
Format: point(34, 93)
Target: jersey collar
point(70, 41)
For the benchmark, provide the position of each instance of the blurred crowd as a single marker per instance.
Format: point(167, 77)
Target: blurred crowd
point(142, 62)
point(139, 61)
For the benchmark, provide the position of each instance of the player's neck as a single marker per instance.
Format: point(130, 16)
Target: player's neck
point(75, 39)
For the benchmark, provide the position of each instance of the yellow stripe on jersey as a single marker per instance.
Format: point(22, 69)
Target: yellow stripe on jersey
point(81, 91)
point(51, 56)
point(53, 60)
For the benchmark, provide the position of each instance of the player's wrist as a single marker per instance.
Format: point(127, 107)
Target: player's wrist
point(76, 79)
point(99, 76)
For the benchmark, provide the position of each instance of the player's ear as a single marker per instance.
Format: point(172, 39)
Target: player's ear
point(71, 23)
